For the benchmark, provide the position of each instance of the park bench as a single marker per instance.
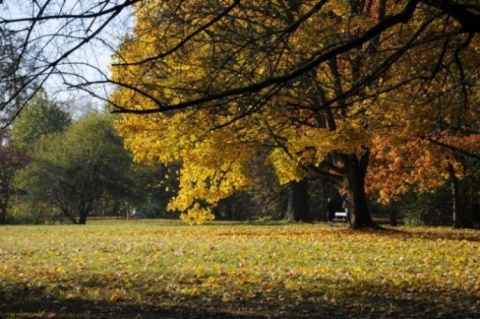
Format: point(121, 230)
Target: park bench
point(341, 216)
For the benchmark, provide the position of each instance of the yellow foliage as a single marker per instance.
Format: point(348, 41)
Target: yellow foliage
point(287, 169)
point(247, 44)
point(197, 215)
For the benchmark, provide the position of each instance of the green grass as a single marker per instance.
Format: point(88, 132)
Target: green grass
point(165, 269)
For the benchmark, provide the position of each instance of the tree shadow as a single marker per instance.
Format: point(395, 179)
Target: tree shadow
point(350, 299)
point(426, 233)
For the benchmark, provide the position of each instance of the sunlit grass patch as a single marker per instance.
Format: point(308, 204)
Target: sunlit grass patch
point(222, 267)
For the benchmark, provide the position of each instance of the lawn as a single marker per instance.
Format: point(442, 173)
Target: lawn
point(153, 269)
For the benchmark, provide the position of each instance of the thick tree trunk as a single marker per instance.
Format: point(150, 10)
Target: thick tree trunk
point(83, 218)
point(393, 217)
point(298, 201)
point(354, 178)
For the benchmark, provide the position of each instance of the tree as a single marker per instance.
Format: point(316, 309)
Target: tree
point(330, 63)
point(76, 170)
point(155, 186)
point(15, 63)
point(318, 119)
point(12, 159)
point(86, 22)
point(41, 117)
point(297, 208)
point(56, 42)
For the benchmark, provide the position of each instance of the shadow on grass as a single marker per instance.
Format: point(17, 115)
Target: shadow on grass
point(427, 233)
point(350, 300)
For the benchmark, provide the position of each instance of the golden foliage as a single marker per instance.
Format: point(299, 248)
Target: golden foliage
point(185, 50)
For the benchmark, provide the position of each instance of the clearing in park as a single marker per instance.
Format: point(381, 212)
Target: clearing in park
point(159, 269)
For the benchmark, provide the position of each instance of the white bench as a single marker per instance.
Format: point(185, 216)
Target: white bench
point(341, 216)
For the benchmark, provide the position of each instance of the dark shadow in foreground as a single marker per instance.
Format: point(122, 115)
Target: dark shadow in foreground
point(353, 300)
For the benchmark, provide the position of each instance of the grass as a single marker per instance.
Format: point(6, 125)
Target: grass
point(158, 269)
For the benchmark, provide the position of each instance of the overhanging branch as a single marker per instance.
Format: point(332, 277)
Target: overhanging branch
point(402, 17)
point(452, 148)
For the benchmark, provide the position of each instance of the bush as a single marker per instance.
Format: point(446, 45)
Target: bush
point(429, 209)
point(25, 213)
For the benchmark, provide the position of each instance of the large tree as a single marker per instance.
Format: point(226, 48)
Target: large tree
point(76, 171)
point(319, 82)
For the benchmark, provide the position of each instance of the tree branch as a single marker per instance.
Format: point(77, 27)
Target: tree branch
point(467, 15)
point(383, 25)
point(452, 148)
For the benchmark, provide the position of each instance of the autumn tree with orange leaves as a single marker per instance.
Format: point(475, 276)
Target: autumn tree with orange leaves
point(285, 74)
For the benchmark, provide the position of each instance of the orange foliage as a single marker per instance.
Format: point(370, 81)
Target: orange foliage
point(403, 165)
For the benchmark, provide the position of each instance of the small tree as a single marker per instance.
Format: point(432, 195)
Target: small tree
point(77, 170)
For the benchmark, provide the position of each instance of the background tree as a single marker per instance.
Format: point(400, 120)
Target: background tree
point(155, 187)
point(12, 159)
point(76, 170)
point(40, 118)
point(15, 65)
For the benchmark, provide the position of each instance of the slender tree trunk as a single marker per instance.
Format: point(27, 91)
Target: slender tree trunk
point(456, 212)
point(85, 210)
point(298, 208)
point(4, 208)
point(66, 213)
point(355, 172)
point(3, 213)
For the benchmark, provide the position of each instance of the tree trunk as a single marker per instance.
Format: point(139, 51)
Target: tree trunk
point(298, 201)
point(3, 213)
point(354, 179)
point(83, 218)
point(393, 217)
point(4, 208)
point(457, 216)
point(66, 213)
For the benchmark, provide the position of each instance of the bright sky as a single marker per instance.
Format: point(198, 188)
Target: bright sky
point(91, 61)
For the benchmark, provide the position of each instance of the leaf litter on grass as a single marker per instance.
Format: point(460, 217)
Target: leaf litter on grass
point(238, 271)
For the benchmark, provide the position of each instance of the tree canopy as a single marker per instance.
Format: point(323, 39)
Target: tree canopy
point(321, 84)
point(76, 170)
point(40, 118)
point(68, 27)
